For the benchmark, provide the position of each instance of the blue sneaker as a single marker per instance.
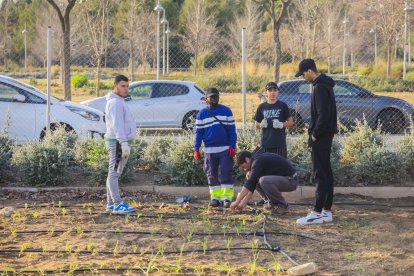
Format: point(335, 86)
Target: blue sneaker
point(109, 207)
point(123, 208)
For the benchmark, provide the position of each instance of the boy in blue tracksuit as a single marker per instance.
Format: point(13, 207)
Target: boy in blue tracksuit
point(216, 128)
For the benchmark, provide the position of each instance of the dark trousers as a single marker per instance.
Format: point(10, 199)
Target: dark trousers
point(212, 162)
point(280, 151)
point(322, 172)
point(270, 188)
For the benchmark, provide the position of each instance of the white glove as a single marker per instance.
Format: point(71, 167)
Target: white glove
point(263, 123)
point(277, 123)
point(126, 150)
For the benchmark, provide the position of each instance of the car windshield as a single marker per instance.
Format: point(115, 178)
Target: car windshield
point(29, 87)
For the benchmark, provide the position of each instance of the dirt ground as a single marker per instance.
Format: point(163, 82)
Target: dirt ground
point(367, 237)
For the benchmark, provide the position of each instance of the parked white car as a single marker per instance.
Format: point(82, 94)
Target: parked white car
point(161, 104)
point(23, 113)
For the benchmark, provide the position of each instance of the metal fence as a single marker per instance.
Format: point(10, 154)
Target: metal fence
point(188, 48)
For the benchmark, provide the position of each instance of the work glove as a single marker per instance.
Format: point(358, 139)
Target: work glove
point(232, 152)
point(263, 123)
point(197, 155)
point(277, 123)
point(126, 149)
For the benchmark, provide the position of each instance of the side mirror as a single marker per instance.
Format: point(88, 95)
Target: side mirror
point(128, 98)
point(19, 98)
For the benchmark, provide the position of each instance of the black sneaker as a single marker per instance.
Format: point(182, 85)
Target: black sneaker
point(260, 202)
point(226, 203)
point(214, 203)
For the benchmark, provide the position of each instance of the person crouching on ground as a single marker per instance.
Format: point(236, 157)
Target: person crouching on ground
point(270, 174)
point(215, 127)
point(120, 131)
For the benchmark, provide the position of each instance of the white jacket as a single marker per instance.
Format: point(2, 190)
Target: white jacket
point(120, 124)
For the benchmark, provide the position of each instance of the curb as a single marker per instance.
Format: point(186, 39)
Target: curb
point(302, 192)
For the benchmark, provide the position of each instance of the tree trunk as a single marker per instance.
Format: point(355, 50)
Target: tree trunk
point(6, 23)
point(98, 77)
point(66, 62)
point(278, 51)
point(389, 50)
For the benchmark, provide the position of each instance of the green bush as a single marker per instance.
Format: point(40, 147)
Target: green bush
point(358, 141)
point(156, 150)
point(378, 165)
point(406, 150)
point(79, 80)
point(248, 139)
point(6, 151)
point(180, 167)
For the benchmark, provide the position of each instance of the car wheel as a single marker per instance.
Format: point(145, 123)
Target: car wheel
point(299, 125)
point(53, 127)
point(392, 121)
point(189, 120)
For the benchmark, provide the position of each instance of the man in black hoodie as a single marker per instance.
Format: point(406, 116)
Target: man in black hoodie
point(322, 129)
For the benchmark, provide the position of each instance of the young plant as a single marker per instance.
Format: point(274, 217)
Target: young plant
point(60, 204)
point(24, 247)
point(178, 265)
point(68, 247)
point(79, 230)
point(44, 247)
point(205, 244)
point(116, 249)
point(161, 249)
point(228, 244)
point(151, 265)
point(90, 245)
point(35, 215)
point(90, 211)
point(139, 215)
point(64, 211)
point(26, 206)
point(51, 231)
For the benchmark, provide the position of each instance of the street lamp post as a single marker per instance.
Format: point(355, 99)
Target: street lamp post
point(158, 9)
point(24, 32)
point(164, 23)
point(345, 21)
point(167, 33)
point(407, 9)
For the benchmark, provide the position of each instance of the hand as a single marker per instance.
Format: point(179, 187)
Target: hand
point(233, 205)
point(313, 138)
point(126, 149)
point(232, 152)
point(263, 123)
point(277, 123)
point(197, 155)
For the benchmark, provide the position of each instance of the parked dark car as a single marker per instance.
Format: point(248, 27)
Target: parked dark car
point(353, 103)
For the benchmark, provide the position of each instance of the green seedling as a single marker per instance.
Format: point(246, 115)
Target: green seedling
point(60, 204)
point(116, 249)
point(228, 244)
point(14, 232)
point(127, 218)
point(89, 210)
point(134, 248)
point(84, 205)
point(151, 265)
point(160, 217)
point(24, 247)
point(68, 247)
point(64, 211)
point(16, 215)
point(161, 249)
point(35, 215)
point(90, 245)
point(198, 270)
point(139, 215)
point(253, 259)
point(205, 244)
point(51, 231)
point(178, 266)
point(26, 206)
point(276, 264)
point(44, 247)
point(79, 230)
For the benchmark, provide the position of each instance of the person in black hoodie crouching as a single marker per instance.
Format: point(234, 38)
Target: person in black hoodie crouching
point(322, 129)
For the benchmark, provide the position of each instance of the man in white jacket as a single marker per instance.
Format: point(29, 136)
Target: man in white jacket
point(120, 131)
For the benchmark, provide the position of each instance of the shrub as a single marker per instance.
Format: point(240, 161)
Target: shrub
point(378, 165)
point(406, 150)
point(156, 150)
point(247, 139)
point(63, 140)
point(359, 140)
point(79, 80)
point(180, 166)
point(6, 151)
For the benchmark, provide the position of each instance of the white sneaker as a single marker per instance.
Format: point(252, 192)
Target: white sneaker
point(327, 216)
point(312, 218)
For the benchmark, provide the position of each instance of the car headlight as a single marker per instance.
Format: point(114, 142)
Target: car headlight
point(84, 113)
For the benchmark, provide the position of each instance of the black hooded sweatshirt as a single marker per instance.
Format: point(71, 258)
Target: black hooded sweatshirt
point(323, 107)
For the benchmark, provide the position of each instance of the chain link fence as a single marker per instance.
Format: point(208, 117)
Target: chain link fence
point(361, 44)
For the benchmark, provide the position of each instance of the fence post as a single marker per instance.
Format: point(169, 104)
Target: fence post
point(244, 76)
point(49, 64)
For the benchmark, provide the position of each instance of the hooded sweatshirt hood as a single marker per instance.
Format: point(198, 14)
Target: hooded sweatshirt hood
point(324, 79)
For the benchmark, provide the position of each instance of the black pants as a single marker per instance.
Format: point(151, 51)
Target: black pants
point(322, 172)
point(280, 151)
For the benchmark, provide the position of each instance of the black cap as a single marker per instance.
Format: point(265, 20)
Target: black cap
point(271, 85)
point(305, 65)
point(212, 91)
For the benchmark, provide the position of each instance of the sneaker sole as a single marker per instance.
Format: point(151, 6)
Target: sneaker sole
point(122, 212)
point(313, 222)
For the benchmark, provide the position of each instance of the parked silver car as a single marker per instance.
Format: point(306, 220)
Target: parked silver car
point(353, 102)
point(161, 103)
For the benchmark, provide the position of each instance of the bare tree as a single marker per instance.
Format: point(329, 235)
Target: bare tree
point(250, 20)
point(200, 31)
point(146, 37)
point(64, 18)
point(95, 19)
point(5, 6)
point(389, 16)
point(277, 10)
